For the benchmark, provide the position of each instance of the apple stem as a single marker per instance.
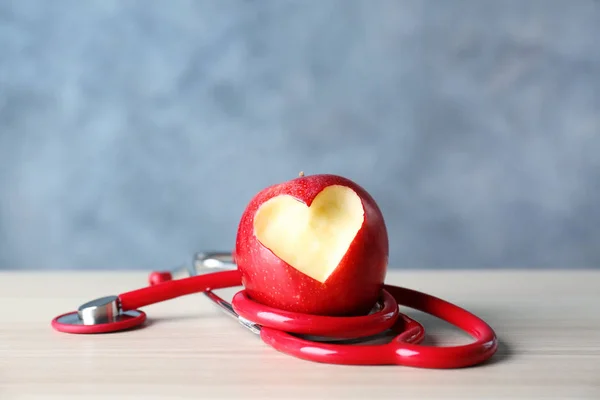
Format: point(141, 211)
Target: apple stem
point(301, 174)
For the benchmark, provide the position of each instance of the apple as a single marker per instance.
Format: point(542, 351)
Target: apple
point(316, 244)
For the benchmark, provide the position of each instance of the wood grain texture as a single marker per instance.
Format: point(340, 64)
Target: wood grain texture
point(548, 324)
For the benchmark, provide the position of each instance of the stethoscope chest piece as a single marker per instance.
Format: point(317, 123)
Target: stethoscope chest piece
point(102, 315)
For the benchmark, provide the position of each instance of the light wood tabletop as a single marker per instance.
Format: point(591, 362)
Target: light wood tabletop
point(548, 324)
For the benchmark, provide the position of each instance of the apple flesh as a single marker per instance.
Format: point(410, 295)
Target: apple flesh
point(316, 244)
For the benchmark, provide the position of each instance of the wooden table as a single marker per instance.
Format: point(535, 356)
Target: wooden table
point(548, 324)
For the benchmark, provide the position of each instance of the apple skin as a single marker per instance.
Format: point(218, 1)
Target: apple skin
point(352, 289)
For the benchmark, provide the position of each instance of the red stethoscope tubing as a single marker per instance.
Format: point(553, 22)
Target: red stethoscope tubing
point(316, 325)
point(180, 287)
point(400, 351)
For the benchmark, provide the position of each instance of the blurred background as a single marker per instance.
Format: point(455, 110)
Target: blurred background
point(133, 133)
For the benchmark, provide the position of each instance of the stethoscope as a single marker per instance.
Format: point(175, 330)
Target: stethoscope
point(334, 340)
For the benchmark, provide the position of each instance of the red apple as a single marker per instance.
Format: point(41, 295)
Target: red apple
point(316, 244)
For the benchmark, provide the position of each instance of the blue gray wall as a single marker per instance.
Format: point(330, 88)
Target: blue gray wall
point(133, 133)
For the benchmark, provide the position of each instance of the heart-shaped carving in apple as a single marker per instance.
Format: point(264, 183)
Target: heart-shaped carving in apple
point(316, 244)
